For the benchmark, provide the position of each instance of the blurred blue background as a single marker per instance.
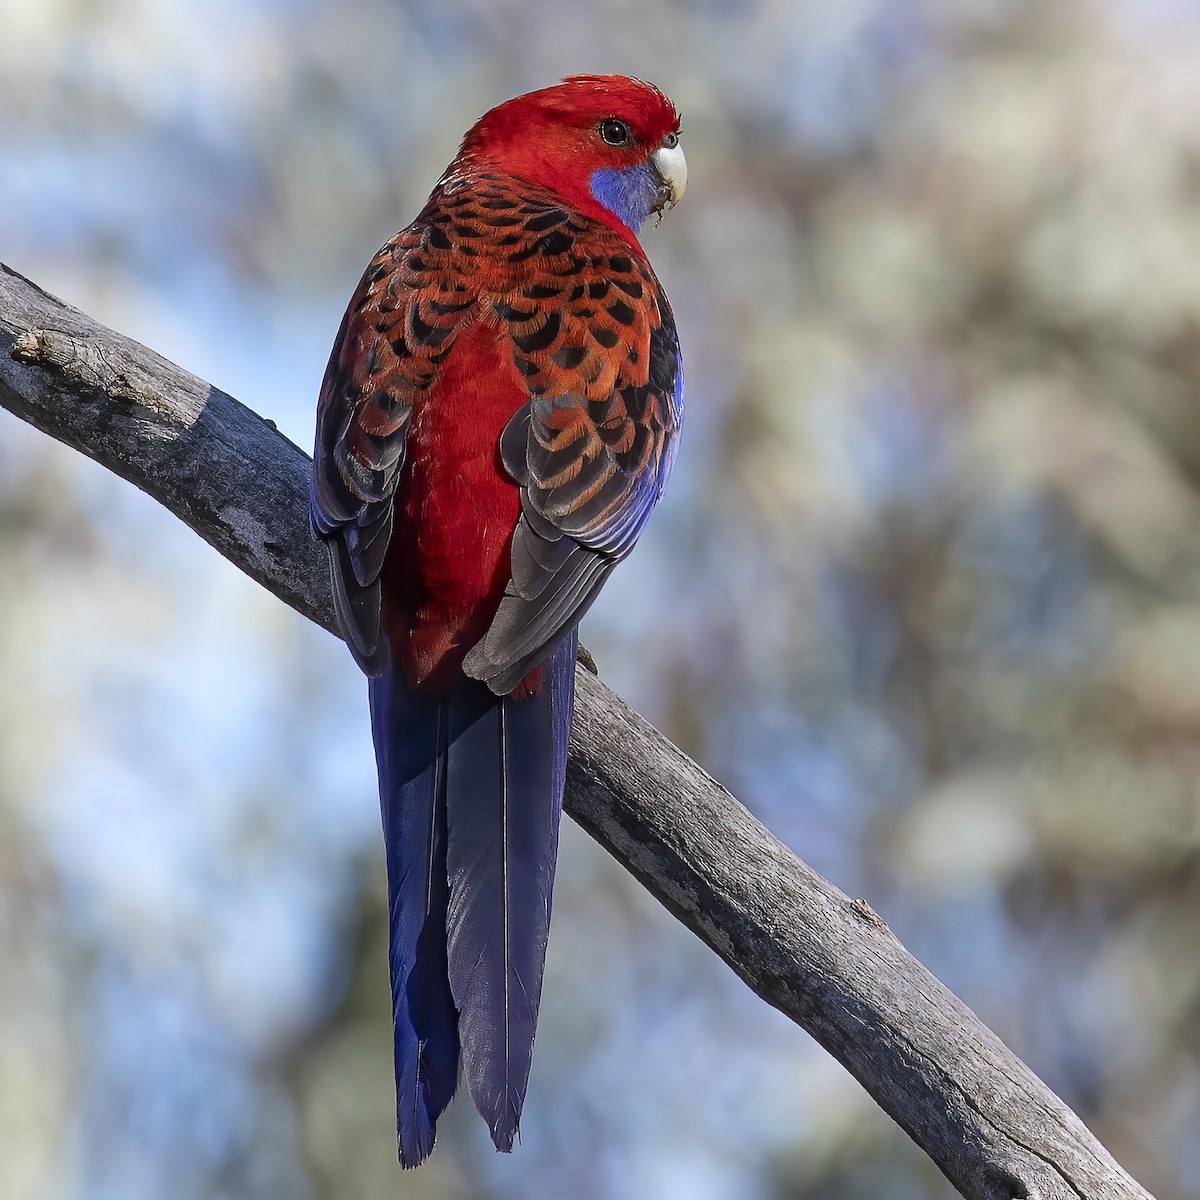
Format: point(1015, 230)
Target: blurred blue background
point(925, 592)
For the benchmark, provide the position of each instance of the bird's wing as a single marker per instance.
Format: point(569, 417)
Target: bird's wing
point(398, 328)
point(594, 337)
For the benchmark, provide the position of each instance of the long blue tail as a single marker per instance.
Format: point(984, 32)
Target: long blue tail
point(471, 789)
point(411, 738)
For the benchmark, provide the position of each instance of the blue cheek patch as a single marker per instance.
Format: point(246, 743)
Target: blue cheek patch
point(627, 192)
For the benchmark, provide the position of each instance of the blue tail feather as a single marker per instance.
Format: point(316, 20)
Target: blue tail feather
point(411, 735)
point(471, 790)
point(506, 772)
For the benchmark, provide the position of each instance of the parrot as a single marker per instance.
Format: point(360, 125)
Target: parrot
point(500, 414)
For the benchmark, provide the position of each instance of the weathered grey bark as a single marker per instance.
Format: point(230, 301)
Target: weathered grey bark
point(828, 962)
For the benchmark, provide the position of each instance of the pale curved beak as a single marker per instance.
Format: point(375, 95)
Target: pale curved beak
point(672, 170)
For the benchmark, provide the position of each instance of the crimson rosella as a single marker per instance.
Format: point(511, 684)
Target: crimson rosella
point(499, 415)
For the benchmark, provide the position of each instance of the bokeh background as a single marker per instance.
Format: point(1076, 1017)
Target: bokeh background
point(925, 592)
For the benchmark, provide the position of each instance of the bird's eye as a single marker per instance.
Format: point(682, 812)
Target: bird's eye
point(670, 141)
point(615, 133)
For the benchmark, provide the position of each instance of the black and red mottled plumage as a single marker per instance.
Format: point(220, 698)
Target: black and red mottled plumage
point(498, 418)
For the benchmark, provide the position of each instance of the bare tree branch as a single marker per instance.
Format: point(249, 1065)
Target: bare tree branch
point(828, 962)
